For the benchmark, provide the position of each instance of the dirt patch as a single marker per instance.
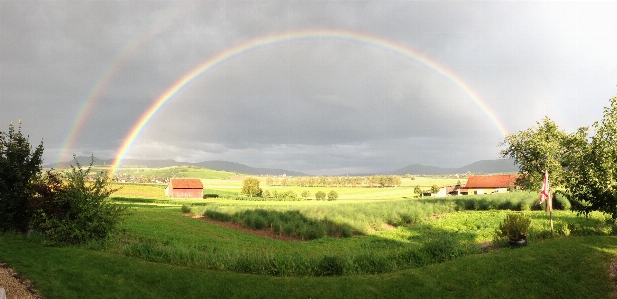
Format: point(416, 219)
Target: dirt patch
point(16, 286)
point(387, 226)
point(437, 216)
point(265, 233)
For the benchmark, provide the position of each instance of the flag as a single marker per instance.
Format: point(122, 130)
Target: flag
point(546, 191)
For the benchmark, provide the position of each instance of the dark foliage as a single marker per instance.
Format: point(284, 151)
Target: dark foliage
point(19, 167)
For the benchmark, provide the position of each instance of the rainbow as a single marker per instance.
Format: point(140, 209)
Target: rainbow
point(107, 76)
point(288, 36)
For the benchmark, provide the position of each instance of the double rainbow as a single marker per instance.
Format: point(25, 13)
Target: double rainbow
point(284, 37)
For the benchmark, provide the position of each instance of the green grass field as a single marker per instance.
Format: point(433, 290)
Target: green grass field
point(401, 247)
point(229, 187)
point(561, 268)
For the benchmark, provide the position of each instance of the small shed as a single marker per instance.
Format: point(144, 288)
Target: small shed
point(185, 188)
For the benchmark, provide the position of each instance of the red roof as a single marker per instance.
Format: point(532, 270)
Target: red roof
point(491, 181)
point(186, 184)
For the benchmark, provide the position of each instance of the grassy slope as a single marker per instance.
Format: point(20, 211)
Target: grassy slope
point(178, 171)
point(560, 268)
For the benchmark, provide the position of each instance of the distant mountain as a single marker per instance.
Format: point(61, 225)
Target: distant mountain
point(479, 167)
point(214, 165)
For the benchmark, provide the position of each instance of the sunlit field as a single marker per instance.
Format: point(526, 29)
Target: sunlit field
point(384, 241)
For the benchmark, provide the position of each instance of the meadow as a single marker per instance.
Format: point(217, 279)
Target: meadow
point(369, 243)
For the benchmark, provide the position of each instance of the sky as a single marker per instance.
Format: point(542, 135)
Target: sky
point(321, 87)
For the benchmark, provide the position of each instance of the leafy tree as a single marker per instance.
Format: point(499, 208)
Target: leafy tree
point(266, 193)
point(269, 181)
point(291, 194)
point(535, 150)
point(306, 194)
point(417, 189)
point(19, 167)
point(320, 195)
point(72, 207)
point(591, 180)
point(332, 195)
point(250, 186)
point(435, 189)
point(396, 181)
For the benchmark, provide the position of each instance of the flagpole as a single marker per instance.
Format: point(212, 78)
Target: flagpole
point(550, 209)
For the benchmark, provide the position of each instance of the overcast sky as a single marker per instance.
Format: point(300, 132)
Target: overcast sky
point(320, 105)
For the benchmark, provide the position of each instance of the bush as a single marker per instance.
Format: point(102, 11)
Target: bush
point(444, 248)
point(331, 265)
point(332, 195)
point(514, 227)
point(76, 210)
point(320, 195)
point(560, 201)
point(185, 209)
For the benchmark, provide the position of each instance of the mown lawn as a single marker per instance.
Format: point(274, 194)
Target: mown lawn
point(575, 267)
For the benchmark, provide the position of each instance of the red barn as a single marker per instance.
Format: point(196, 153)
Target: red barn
point(185, 188)
point(482, 184)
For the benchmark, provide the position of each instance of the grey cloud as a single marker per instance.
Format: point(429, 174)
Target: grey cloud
point(320, 105)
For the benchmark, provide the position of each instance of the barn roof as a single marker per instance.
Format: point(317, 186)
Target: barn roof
point(186, 184)
point(491, 181)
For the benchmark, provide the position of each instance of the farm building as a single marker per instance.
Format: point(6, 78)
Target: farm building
point(481, 184)
point(185, 188)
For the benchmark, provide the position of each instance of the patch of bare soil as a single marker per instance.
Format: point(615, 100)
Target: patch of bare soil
point(387, 226)
point(16, 286)
point(265, 233)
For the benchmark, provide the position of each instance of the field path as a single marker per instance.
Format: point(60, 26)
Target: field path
point(265, 233)
point(14, 286)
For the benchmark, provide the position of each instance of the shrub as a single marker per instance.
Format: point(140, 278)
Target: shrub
point(210, 195)
point(332, 195)
point(444, 248)
point(320, 195)
point(560, 201)
point(331, 265)
point(77, 210)
point(514, 227)
point(306, 194)
point(346, 232)
point(185, 209)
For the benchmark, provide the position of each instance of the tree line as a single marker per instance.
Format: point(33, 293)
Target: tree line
point(376, 181)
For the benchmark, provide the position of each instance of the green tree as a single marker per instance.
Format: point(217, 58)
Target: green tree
point(417, 189)
point(332, 195)
point(306, 194)
point(320, 195)
point(19, 167)
point(291, 194)
point(435, 189)
point(250, 186)
point(535, 150)
point(591, 180)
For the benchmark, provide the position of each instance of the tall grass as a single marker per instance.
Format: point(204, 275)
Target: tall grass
point(366, 218)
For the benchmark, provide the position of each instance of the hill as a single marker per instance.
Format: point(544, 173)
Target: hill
point(213, 165)
point(479, 167)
